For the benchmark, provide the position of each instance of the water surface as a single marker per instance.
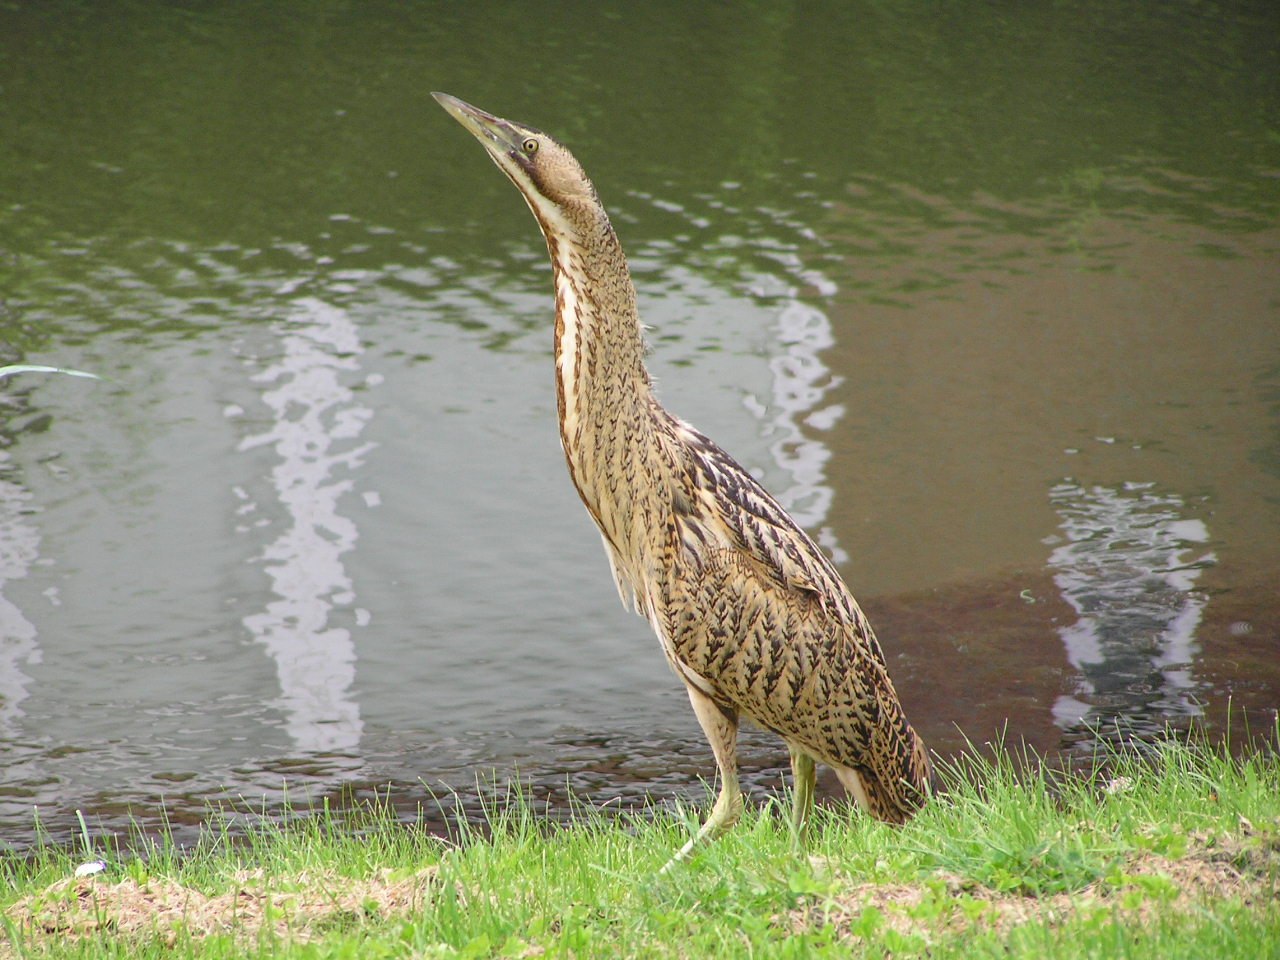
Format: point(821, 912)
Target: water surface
point(989, 298)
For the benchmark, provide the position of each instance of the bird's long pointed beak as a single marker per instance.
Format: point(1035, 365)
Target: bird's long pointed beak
point(495, 133)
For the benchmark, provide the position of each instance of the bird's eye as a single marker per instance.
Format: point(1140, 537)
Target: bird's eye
point(530, 146)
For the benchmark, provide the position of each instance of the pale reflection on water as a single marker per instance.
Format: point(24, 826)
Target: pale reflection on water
point(315, 432)
point(801, 382)
point(1128, 567)
point(19, 549)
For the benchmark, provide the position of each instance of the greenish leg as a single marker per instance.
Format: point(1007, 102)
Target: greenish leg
point(804, 775)
point(722, 732)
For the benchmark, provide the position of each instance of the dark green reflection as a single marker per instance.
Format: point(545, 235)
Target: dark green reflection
point(241, 122)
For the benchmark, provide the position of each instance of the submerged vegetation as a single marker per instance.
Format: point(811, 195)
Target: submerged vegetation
point(1174, 852)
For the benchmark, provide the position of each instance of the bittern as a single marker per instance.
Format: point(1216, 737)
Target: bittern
point(751, 614)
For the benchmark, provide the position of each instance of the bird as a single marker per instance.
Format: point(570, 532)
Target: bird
point(751, 614)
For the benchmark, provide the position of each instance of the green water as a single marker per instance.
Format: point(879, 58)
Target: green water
point(989, 294)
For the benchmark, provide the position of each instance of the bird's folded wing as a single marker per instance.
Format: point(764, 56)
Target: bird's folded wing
point(738, 512)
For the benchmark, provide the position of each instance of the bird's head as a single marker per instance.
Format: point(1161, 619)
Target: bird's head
point(552, 181)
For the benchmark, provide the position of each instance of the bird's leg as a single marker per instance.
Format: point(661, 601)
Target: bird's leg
point(804, 775)
point(721, 729)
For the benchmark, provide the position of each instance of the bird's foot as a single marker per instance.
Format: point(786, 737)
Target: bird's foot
point(724, 815)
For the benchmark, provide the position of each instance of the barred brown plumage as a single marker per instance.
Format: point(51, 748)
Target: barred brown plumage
point(751, 614)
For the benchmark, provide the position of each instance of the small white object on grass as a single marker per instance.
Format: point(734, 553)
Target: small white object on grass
point(90, 868)
point(41, 368)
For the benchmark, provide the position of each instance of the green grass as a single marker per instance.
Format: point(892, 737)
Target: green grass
point(1172, 854)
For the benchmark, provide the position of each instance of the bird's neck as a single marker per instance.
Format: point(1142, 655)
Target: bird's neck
point(603, 391)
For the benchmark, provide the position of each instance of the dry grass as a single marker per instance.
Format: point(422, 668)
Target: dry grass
point(1215, 869)
point(298, 907)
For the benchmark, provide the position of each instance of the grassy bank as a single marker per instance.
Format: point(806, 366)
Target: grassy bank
point(1174, 855)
